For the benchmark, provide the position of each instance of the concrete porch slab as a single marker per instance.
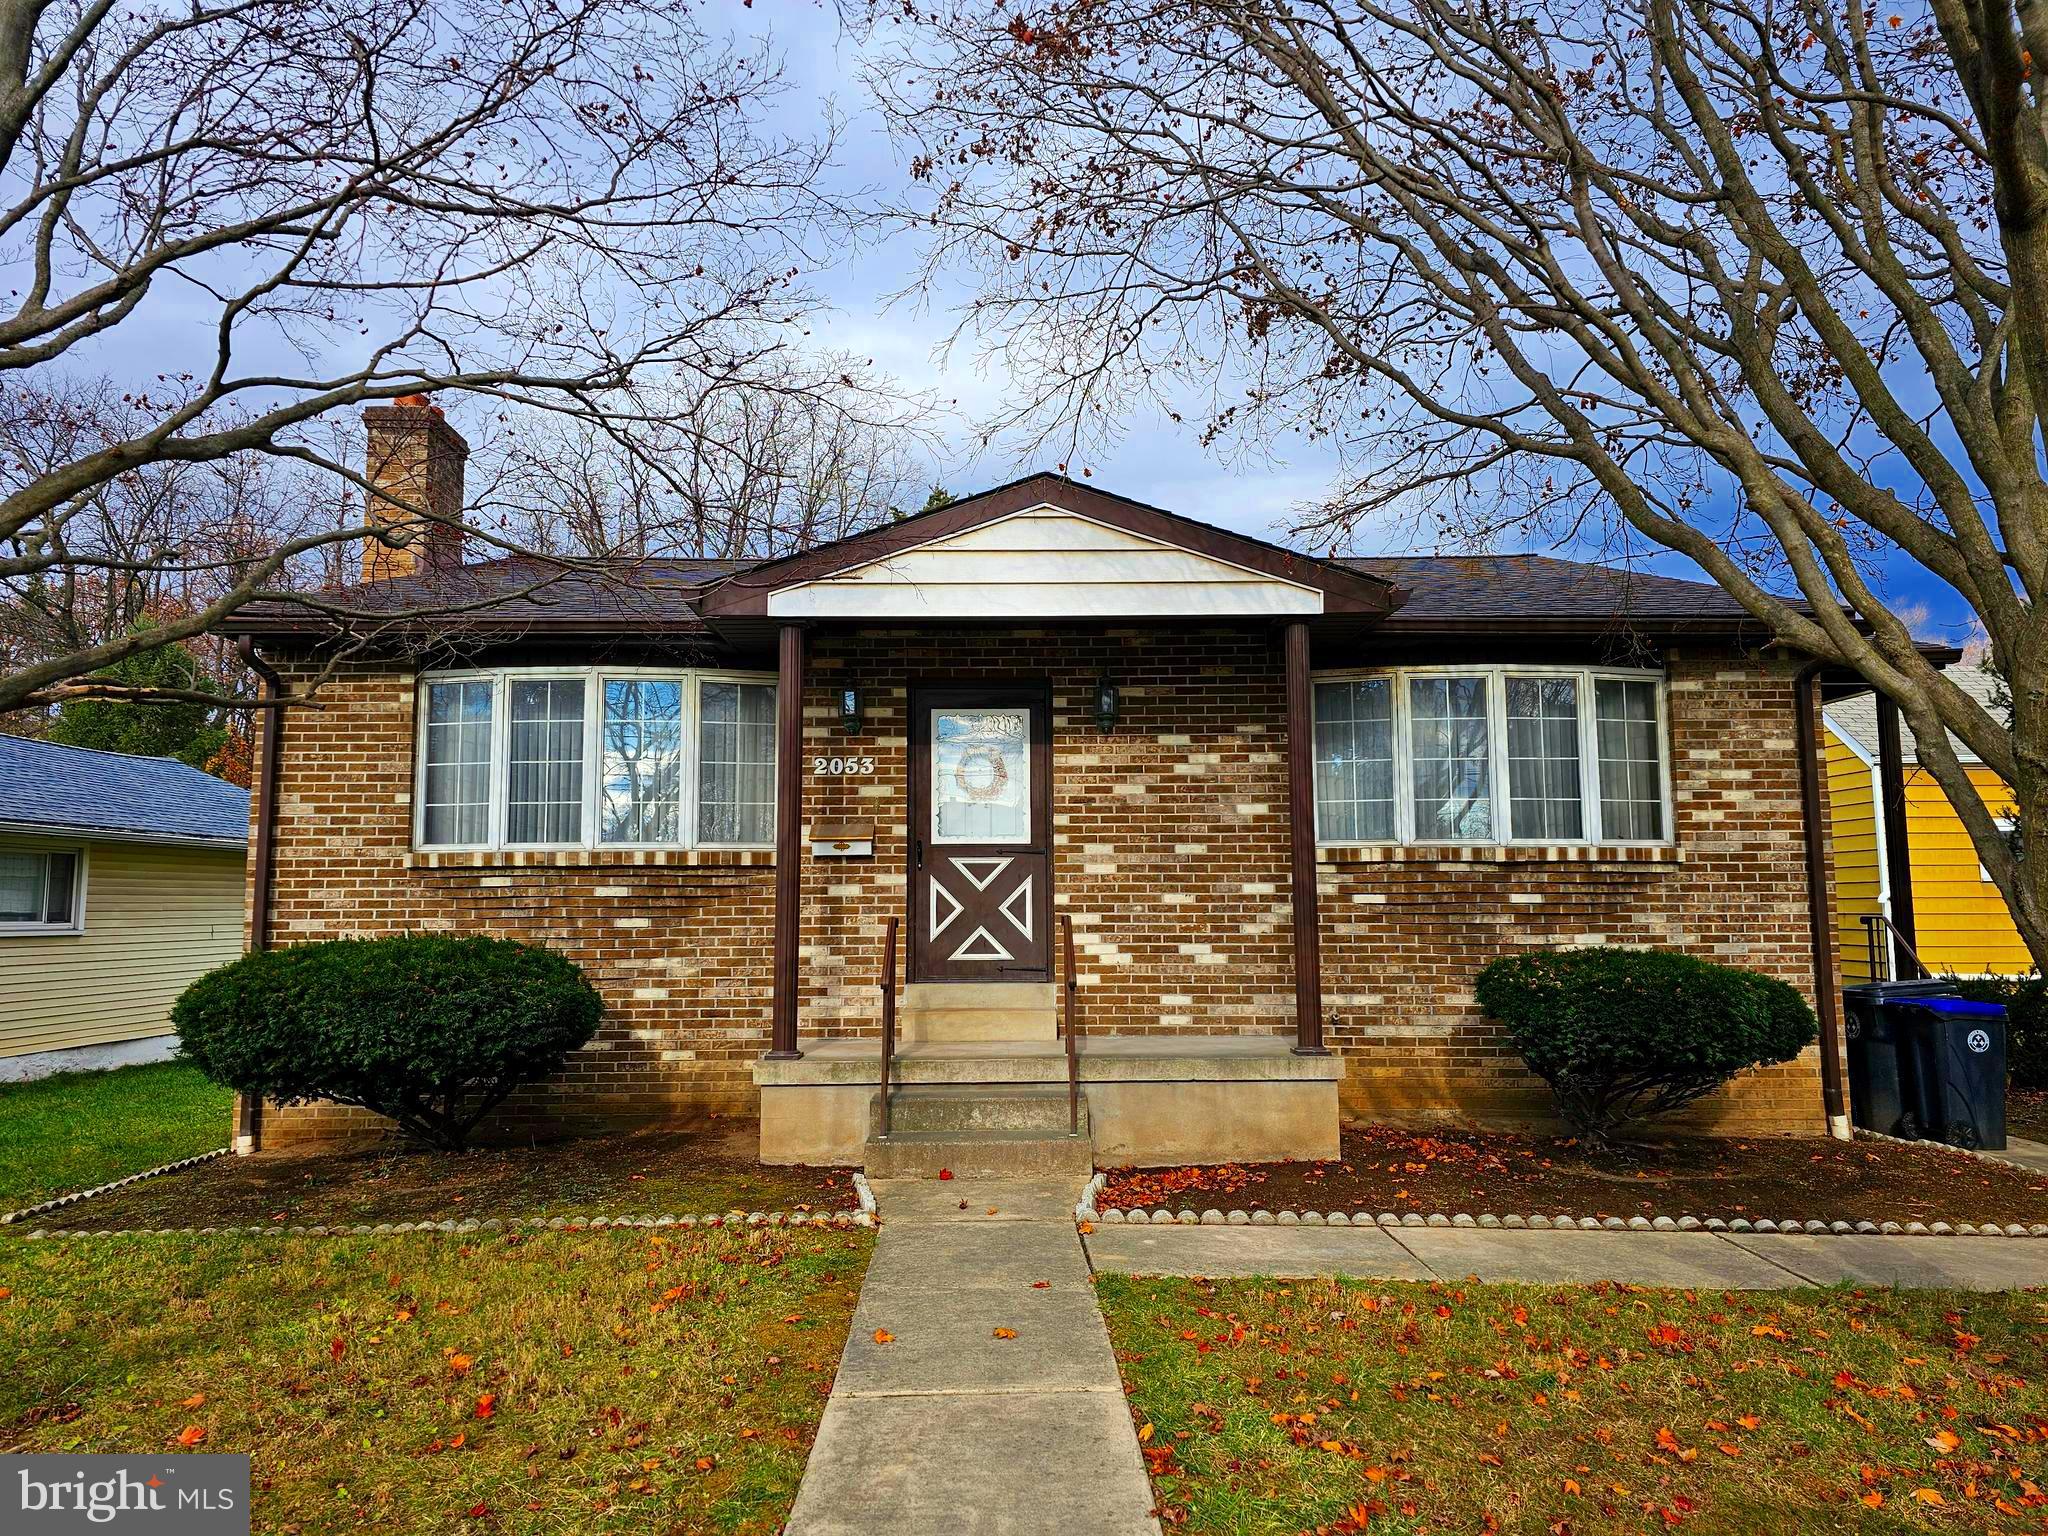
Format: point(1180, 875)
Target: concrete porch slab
point(1103, 1059)
point(1152, 1100)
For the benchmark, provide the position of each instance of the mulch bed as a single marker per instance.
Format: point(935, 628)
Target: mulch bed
point(2026, 1113)
point(652, 1173)
point(1385, 1168)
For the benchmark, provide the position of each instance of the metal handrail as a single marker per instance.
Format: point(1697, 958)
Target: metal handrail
point(888, 1018)
point(1872, 922)
point(1073, 1059)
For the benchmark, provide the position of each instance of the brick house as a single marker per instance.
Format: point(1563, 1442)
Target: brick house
point(1252, 819)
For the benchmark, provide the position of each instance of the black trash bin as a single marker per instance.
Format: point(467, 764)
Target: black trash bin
point(1952, 1054)
point(1874, 1024)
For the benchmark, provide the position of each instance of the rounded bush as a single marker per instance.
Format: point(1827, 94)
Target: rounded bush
point(1624, 1034)
point(433, 1032)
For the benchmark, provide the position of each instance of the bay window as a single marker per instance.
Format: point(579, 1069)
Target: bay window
point(596, 757)
point(1491, 755)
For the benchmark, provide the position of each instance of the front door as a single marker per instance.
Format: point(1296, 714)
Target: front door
point(980, 833)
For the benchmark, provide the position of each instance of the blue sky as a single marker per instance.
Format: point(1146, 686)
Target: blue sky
point(1153, 458)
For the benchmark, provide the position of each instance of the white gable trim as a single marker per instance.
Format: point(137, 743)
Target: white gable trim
point(1045, 562)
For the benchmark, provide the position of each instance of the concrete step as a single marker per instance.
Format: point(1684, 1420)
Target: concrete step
point(973, 1109)
point(973, 1012)
point(979, 994)
point(1000, 1154)
point(975, 1025)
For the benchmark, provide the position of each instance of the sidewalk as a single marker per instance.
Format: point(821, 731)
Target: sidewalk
point(1745, 1261)
point(949, 1430)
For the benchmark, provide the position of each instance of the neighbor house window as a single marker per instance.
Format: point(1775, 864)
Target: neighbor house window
point(1491, 755)
point(563, 757)
point(39, 890)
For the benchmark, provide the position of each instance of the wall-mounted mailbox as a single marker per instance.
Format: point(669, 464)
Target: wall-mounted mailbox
point(842, 839)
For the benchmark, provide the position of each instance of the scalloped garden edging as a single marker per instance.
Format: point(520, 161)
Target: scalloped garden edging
point(1086, 1211)
point(10, 1217)
point(865, 1216)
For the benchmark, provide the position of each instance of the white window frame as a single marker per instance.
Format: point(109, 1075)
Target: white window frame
point(51, 930)
point(2005, 824)
point(501, 679)
point(1497, 677)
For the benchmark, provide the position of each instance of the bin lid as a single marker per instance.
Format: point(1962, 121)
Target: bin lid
point(1961, 1007)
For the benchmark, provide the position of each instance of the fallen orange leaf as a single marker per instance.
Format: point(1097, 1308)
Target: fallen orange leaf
point(1944, 1440)
point(196, 1400)
point(487, 1405)
point(1144, 1433)
point(1006, 1333)
point(459, 1364)
point(884, 1336)
point(1872, 1500)
point(191, 1434)
point(1928, 1496)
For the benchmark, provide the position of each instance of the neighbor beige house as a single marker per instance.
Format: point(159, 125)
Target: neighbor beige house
point(120, 881)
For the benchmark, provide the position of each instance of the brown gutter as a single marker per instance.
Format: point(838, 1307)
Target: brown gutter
point(1806, 712)
point(248, 1129)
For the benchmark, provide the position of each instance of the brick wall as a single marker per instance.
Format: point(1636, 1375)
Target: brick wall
point(1402, 941)
point(1170, 854)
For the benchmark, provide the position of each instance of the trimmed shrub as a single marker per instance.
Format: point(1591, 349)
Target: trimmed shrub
point(2026, 1023)
point(433, 1032)
point(1624, 1034)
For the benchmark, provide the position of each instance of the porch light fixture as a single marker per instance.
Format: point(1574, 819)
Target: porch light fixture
point(849, 711)
point(1106, 705)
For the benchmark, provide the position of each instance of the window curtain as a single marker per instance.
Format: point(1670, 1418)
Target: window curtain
point(736, 763)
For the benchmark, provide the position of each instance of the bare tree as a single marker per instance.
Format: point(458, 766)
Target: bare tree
point(1759, 281)
point(554, 209)
point(750, 474)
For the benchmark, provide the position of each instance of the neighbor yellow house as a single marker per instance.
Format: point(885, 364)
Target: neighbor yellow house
point(1960, 923)
point(120, 882)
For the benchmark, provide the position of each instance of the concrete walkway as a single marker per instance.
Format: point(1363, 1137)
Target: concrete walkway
point(949, 1430)
point(1734, 1262)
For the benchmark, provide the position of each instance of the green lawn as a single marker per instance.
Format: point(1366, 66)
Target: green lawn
point(1342, 1406)
point(587, 1382)
point(80, 1129)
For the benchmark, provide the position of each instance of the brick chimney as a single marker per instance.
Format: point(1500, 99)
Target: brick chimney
point(416, 459)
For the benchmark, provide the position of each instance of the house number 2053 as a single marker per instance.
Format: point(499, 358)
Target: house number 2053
point(843, 766)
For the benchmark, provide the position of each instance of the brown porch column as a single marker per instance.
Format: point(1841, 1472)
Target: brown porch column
point(789, 816)
point(1301, 820)
point(1903, 940)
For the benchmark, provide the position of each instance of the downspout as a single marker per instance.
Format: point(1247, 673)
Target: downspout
point(249, 1107)
point(1805, 711)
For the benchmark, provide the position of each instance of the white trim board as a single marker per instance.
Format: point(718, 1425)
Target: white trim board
point(1045, 562)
